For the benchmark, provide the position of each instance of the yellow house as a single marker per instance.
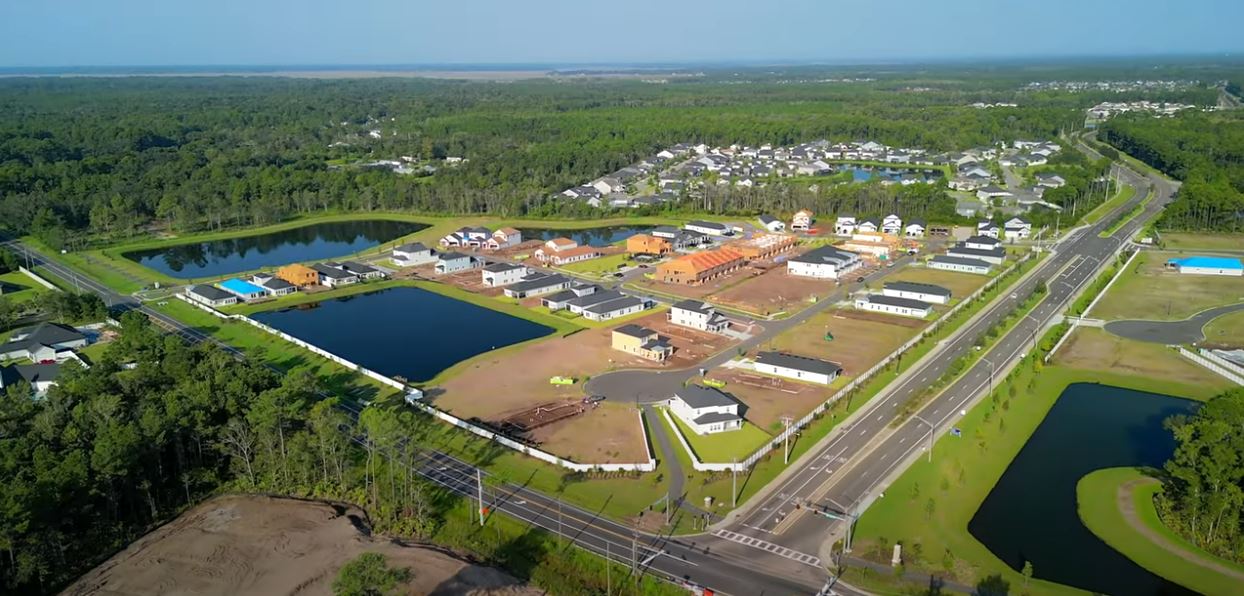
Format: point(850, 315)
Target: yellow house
point(642, 342)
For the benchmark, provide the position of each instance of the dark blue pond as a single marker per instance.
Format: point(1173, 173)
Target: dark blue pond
point(1031, 514)
point(217, 258)
point(604, 236)
point(405, 332)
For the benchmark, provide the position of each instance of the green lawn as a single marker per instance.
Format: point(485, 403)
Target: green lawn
point(1227, 329)
point(1202, 240)
point(1148, 291)
point(19, 288)
point(1126, 217)
point(601, 266)
point(1124, 195)
point(723, 447)
point(965, 469)
point(1098, 505)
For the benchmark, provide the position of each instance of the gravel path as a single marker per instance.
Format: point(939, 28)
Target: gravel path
point(1128, 508)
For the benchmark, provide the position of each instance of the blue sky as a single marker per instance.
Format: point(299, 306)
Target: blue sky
point(247, 32)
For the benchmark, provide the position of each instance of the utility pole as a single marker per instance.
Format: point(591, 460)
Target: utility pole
point(734, 484)
point(786, 422)
point(479, 483)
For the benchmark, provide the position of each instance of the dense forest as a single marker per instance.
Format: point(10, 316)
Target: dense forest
point(1203, 498)
point(110, 156)
point(113, 451)
point(1205, 151)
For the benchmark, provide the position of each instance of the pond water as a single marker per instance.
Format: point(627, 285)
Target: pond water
point(307, 243)
point(407, 332)
point(866, 173)
point(603, 236)
point(1031, 514)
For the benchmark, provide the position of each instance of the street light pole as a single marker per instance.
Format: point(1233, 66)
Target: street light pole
point(786, 422)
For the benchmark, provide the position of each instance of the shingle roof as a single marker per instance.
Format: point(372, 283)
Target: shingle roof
point(332, 272)
point(412, 247)
point(48, 334)
point(537, 281)
point(961, 261)
point(803, 363)
point(911, 286)
point(502, 267)
point(977, 252)
point(698, 396)
point(899, 302)
point(614, 305)
point(209, 292)
point(714, 417)
point(634, 330)
point(693, 305)
point(825, 254)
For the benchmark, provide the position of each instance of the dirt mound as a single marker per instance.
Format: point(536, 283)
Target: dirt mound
point(263, 545)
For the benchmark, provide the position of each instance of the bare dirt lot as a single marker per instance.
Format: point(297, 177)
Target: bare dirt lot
point(768, 399)
point(1097, 349)
point(261, 545)
point(861, 339)
point(774, 291)
point(699, 291)
point(509, 381)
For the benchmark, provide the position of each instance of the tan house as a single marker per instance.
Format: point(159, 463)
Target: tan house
point(299, 275)
point(643, 244)
point(642, 342)
point(764, 246)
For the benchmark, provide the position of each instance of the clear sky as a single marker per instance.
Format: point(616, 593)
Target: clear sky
point(303, 32)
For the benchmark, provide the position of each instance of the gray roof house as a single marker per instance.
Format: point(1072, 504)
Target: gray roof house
point(39, 341)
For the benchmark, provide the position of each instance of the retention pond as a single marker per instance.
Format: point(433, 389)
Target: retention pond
point(406, 332)
point(1030, 516)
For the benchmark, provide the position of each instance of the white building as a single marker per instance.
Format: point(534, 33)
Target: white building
point(896, 306)
point(892, 224)
point(452, 262)
point(993, 255)
point(825, 262)
point(705, 410)
point(802, 221)
point(914, 229)
point(772, 224)
point(1200, 265)
point(709, 227)
point(1016, 228)
point(844, 225)
point(614, 309)
point(413, 255)
point(697, 315)
point(795, 367)
point(982, 242)
point(917, 291)
point(503, 274)
point(537, 284)
point(210, 295)
point(960, 264)
point(504, 238)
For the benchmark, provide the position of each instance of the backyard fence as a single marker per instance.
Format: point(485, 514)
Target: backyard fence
point(647, 466)
point(1213, 362)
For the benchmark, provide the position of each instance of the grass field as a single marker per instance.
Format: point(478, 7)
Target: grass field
point(1202, 240)
point(1126, 217)
point(601, 266)
point(723, 447)
point(1226, 330)
point(19, 288)
point(1099, 497)
point(1096, 349)
point(1147, 290)
point(959, 284)
point(1104, 209)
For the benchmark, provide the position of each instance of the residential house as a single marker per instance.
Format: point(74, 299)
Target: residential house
point(802, 221)
point(560, 300)
point(868, 226)
point(878, 244)
point(994, 256)
point(537, 284)
point(993, 191)
point(800, 368)
point(982, 242)
point(643, 244)
point(914, 229)
point(273, 285)
point(299, 275)
point(413, 255)
point(705, 410)
point(496, 275)
point(1016, 228)
point(210, 295)
point(892, 305)
point(44, 342)
point(1049, 180)
point(697, 315)
point(578, 304)
point(962, 265)
point(41, 377)
point(453, 262)
point(825, 262)
point(772, 224)
point(764, 246)
point(244, 290)
point(710, 228)
point(615, 309)
point(642, 342)
point(467, 237)
point(333, 275)
point(699, 267)
point(988, 229)
point(892, 224)
point(608, 185)
point(504, 238)
point(362, 270)
point(562, 251)
point(930, 293)
point(844, 225)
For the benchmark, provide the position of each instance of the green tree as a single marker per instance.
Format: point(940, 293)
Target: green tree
point(369, 574)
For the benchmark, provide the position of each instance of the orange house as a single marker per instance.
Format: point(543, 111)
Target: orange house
point(699, 267)
point(643, 244)
point(298, 275)
point(763, 246)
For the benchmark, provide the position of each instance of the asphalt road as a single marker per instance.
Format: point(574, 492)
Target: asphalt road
point(848, 470)
point(1187, 331)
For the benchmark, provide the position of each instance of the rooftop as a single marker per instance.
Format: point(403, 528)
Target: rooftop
point(899, 302)
point(635, 331)
point(803, 363)
point(209, 292)
point(238, 286)
point(1209, 262)
point(961, 261)
point(699, 396)
point(911, 286)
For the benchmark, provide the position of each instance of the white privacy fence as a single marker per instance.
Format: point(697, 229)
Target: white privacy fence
point(1215, 363)
point(646, 466)
point(39, 280)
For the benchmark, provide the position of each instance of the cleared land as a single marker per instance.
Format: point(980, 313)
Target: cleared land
point(262, 545)
point(774, 291)
point(1091, 349)
point(768, 398)
point(1116, 504)
point(610, 432)
point(861, 339)
point(699, 291)
point(1210, 241)
point(1147, 290)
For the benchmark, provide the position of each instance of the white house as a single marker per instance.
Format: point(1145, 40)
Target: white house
point(962, 265)
point(608, 185)
point(273, 285)
point(994, 255)
point(709, 227)
point(825, 262)
point(988, 229)
point(468, 237)
point(332, 275)
point(47, 341)
point(1017, 228)
point(504, 238)
point(210, 295)
point(896, 306)
point(1201, 265)
point(705, 410)
point(844, 225)
point(802, 221)
point(917, 291)
point(892, 224)
point(697, 315)
point(982, 242)
point(800, 368)
point(452, 262)
point(496, 275)
point(914, 229)
point(993, 191)
point(537, 284)
point(613, 309)
point(772, 224)
point(869, 226)
point(413, 254)
point(1049, 180)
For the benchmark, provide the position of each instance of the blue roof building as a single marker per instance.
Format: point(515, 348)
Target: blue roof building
point(1204, 265)
point(243, 289)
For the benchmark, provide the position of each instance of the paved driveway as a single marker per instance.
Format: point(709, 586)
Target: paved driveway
point(1187, 331)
